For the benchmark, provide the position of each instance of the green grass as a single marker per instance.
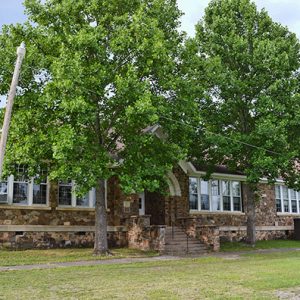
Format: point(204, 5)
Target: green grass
point(27, 257)
point(274, 244)
point(254, 276)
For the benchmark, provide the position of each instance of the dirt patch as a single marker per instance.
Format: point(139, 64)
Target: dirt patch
point(231, 257)
point(290, 294)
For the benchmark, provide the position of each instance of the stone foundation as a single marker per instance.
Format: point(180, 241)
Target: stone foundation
point(47, 240)
point(52, 225)
point(145, 237)
point(209, 235)
point(261, 234)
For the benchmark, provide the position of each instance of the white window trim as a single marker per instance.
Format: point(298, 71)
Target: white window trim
point(10, 193)
point(221, 210)
point(92, 198)
point(298, 204)
point(290, 212)
point(142, 209)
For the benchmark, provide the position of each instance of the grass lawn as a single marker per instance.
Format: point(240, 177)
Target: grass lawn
point(27, 257)
point(255, 276)
point(275, 244)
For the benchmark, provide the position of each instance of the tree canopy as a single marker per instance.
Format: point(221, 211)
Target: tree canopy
point(248, 65)
point(250, 110)
point(97, 73)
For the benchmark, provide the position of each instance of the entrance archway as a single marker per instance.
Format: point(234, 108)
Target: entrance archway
point(156, 205)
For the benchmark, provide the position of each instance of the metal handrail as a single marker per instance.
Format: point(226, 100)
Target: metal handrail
point(187, 243)
point(173, 228)
point(184, 230)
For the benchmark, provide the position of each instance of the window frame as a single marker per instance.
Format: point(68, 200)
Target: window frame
point(91, 194)
point(290, 199)
point(10, 192)
point(220, 183)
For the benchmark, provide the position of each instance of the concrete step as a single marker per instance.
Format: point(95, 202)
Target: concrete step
point(176, 243)
point(179, 241)
point(198, 246)
point(184, 246)
point(179, 253)
point(180, 238)
point(184, 251)
point(176, 231)
point(175, 234)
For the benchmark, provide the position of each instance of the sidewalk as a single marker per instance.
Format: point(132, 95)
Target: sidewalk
point(225, 255)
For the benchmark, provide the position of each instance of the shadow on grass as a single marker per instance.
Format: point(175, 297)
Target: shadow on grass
point(274, 244)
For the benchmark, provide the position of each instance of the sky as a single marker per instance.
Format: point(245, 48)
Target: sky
point(286, 12)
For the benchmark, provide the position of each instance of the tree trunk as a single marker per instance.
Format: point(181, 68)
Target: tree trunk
point(250, 214)
point(100, 246)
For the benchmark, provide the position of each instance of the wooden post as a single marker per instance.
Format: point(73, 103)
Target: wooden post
point(10, 100)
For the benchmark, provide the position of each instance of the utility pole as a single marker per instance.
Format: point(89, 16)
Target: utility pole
point(10, 100)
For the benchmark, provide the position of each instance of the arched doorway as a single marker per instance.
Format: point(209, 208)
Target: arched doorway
point(155, 204)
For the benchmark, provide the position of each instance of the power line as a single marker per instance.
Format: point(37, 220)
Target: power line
point(220, 135)
point(177, 121)
point(194, 127)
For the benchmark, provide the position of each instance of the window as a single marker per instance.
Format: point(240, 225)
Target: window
point(193, 195)
point(285, 195)
point(67, 197)
point(204, 195)
point(278, 198)
point(293, 195)
point(20, 189)
point(215, 195)
point(83, 201)
point(3, 191)
point(298, 195)
point(287, 200)
point(65, 192)
point(39, 195)
point(226, 195)
point(237, 195)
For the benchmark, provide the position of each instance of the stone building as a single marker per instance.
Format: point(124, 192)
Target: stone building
point(44, 214)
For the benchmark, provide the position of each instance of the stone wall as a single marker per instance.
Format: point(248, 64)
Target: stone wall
point(46, 240)
point(120, 208)
point(143, 236)
point(236, 235)
point(270, 224)
point(178, 206)
point(209, 235)
point(42, 216)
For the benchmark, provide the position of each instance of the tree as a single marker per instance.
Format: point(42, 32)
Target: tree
point(97, 74)
point(250, 114)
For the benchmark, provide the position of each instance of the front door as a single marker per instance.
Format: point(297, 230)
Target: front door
point(141, 204)
point(155, 207)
